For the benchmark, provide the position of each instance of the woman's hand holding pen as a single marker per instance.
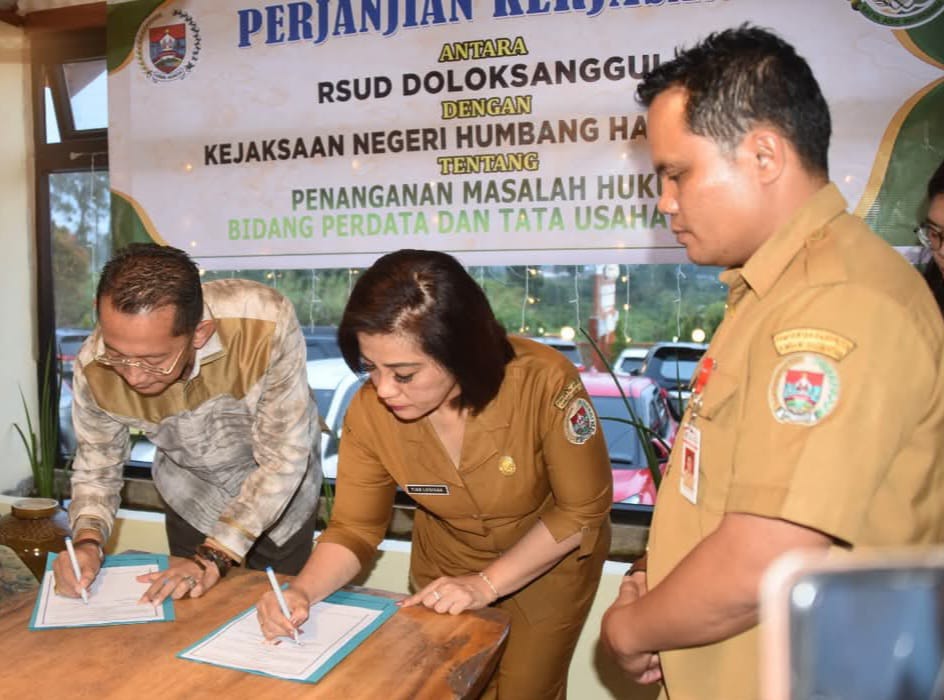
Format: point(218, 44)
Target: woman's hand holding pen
point(271, 620)
point(453, 595)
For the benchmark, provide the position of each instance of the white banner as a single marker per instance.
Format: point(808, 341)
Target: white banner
point(325, 133)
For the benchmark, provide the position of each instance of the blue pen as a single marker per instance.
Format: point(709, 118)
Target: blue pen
point(283, 606)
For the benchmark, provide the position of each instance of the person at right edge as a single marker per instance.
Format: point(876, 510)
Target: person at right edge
point(931, 235)
point(818, 413)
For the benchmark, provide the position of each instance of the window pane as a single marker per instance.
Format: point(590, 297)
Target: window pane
point(88, 93)
point(52, 126)
point(81, 243)
point(644, 304)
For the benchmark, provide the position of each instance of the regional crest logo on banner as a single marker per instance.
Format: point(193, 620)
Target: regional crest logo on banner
point(168, 46)
point(899, 15)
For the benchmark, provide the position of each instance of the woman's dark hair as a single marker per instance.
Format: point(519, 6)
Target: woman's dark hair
point(743, 77)
point(429, 296)
point(142, 277)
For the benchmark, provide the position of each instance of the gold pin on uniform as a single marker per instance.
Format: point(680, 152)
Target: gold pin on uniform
point(506, 465)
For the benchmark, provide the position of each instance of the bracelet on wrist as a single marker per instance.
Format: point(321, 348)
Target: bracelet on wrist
point(90, 540)
point(215, 556)
point(488, 582)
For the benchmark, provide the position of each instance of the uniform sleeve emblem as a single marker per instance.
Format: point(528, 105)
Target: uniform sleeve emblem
point(566, 394)
point(815, 340)
point(804, 389)
point(580, 422)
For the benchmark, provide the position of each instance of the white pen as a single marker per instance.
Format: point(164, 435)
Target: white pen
point(75, 568)
point(283, 606)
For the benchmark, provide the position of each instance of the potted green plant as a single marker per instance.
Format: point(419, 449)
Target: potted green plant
point(41, 440)
point(647, 437)
point(38, 525)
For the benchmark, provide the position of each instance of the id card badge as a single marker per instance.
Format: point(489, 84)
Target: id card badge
point(691, 453)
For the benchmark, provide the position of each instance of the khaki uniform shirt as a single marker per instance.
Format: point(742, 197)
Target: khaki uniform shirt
point(536, 452)
point(237, 442)
point(825, 408)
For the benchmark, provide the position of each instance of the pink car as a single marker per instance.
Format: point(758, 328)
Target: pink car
point(632, 480)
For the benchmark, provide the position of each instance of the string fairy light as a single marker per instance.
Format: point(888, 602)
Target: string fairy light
point(351, 273)
point(679, 276)
point(524, 301)
point(315, 300)
point(626, 335)
point(576, 300)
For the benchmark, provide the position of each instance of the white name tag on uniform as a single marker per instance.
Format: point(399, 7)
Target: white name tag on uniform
point(427, 489)
point(691, 453)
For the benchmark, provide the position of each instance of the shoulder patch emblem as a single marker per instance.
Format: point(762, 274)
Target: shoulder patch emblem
point(804, 389)
point(580, 422)
point(813, 340)
point(566, 394)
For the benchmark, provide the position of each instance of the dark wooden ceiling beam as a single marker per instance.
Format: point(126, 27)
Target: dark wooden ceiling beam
point(75, 17)
point(64, 18)
point(11, 17)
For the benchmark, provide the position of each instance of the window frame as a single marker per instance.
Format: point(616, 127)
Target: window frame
point(76, 150)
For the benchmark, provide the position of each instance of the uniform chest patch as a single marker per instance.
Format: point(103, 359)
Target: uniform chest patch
point(580, 422)
point(804, 389)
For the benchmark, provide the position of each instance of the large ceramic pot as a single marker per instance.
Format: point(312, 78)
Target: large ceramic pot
point(33, 528)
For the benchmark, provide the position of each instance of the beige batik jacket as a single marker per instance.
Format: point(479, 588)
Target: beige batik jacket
point(237, 442)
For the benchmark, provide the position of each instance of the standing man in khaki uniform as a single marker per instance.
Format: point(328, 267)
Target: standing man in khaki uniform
point(818, 413)
point(496, 440)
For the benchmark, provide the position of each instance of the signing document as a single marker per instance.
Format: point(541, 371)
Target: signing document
point(112, 598)
point(335, 626)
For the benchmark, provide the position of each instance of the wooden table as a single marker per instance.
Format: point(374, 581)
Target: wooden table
point(417, 654)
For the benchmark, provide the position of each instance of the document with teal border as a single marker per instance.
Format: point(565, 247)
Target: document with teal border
point(113, 596)
point(335, 627)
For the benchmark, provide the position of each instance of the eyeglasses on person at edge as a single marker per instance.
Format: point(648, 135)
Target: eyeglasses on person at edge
point(138, 364)
point(930, 235)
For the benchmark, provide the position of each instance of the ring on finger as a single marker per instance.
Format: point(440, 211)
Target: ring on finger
point(437, 595)
point(190, 581)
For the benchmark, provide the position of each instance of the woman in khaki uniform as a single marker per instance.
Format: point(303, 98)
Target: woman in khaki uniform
point(497, 442)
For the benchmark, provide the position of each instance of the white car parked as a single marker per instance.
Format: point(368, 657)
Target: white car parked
point(334, 385)
point(630, 360)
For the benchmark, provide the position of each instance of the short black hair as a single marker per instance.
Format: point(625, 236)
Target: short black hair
point(145, 276)
point(739, 78)
point(430, 297)
point(936, 183)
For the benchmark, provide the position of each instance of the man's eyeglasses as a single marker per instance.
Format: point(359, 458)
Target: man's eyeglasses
point(103, 359)
point(930, 235)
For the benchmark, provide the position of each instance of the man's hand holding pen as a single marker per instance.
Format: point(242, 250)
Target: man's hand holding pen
point(88, 558)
